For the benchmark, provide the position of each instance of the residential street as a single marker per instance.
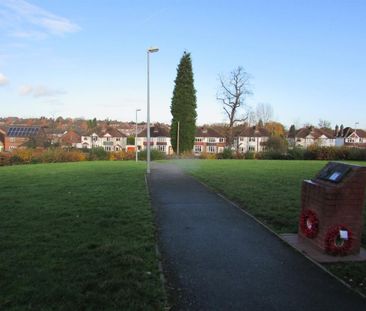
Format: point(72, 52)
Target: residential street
point(215, 257)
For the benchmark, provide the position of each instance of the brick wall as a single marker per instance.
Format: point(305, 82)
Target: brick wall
point(336, 204)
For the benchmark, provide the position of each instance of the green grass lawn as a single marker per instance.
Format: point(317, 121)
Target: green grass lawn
point(77, 236)
point(270, 190)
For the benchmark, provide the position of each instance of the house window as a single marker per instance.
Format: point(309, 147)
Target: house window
point(211, 139)
point(211, 149)
point(85, 138)
point(251, 138)
point(12, 139)
point(118, 139)
point(221, 139)
point(95, 138)
point(241, 138)
point(107, 148)
point(161, 139)
point(197, 148)
point(198, 139)
point(108, 139)
point(251, 148)
point(161, 148)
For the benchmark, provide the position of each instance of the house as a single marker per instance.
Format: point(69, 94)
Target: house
point(129, 129)
point(250, 139)
point(351, 138)
point(208, 140)
point(70, 139)
point(310, 135)
point(54, 135)
point(159, 139)
point(19, 136)
point(2, 139)
point(109, 139)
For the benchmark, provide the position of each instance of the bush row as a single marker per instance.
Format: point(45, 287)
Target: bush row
point(32, 156)
point(311, 153)
point(28, 156)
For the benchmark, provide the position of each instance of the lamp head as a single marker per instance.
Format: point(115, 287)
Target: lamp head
point(152, 49)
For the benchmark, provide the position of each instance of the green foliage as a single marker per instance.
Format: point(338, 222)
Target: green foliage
point(154, 155)
point(183, 106)
point(92, 123)
point(131, 140)
point(98, 154)
point(77, 236)
point(249, 155)
point(276, 144)
point(207, 156)
point(334, 153)
point(292, 131)
point(296, 153)
point(227, 154)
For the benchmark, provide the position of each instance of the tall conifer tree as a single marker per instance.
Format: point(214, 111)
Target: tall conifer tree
point(183, 106)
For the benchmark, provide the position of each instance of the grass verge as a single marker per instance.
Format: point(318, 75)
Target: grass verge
point(270, 190)
point(77, 236)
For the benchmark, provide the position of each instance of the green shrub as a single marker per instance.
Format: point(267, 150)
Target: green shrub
point(98, 154)
point(249, 155)
point(356, 154)
point(296, 153)
point(16, 159)
point(154, 155)
point(273, 155)
point(5, 158)
point(207, 156)
point(227, 153)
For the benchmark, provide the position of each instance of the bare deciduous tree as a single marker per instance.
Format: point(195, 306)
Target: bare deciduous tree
point(324, 124)
point(264, 112)
point(234, 88)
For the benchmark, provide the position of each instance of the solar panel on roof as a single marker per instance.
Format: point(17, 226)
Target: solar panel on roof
point(22, 131)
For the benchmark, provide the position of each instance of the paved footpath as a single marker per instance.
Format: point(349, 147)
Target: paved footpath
point(215, 257)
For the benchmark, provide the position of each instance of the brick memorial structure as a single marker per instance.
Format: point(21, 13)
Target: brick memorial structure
point(331, 219)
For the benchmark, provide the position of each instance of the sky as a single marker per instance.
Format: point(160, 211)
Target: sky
point(87, 58)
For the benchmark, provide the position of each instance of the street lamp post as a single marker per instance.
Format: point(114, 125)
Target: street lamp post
point(354, 140)
point(137, 110)
point(178, 137)
point(149, 50)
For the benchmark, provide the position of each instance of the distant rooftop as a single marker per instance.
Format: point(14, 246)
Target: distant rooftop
point(22, 131)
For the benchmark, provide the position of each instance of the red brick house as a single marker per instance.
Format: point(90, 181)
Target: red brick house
point(18, 136)
point(70, 139)
point(208, 140)
point(2, 139)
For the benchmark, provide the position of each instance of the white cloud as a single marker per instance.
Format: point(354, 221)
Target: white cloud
point(3, 80)
point(21, 12)
point(39, 91)
point(25, 90)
